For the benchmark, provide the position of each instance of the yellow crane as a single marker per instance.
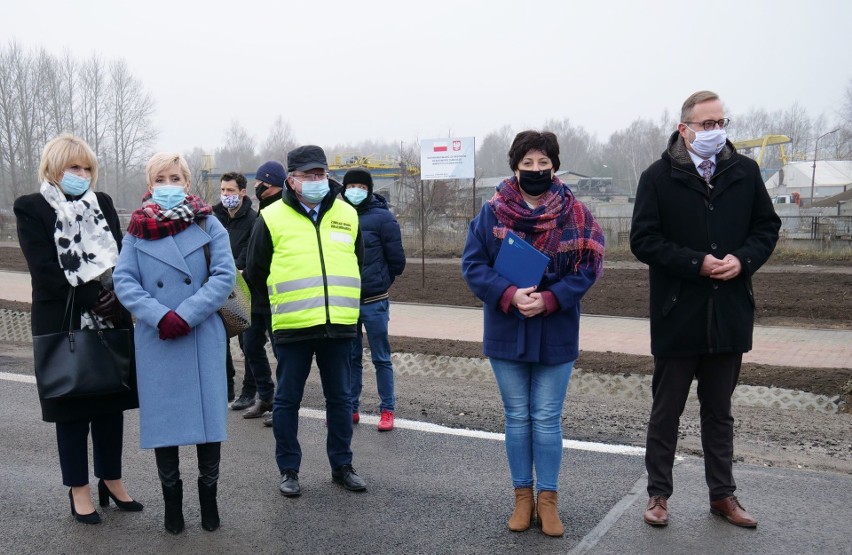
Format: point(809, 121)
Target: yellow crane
point(762, 143)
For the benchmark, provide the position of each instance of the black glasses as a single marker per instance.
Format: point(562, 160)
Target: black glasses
point(710, 124)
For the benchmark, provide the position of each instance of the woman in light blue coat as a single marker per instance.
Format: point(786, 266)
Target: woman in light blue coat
point(163, 277)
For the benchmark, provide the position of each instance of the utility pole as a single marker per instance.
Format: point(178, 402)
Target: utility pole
point(813, 175)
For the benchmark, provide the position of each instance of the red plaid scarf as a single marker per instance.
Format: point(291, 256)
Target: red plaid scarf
point(560, 226)
point(152, 222)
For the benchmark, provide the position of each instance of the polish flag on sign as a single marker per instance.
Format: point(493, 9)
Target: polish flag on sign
point(439, 147)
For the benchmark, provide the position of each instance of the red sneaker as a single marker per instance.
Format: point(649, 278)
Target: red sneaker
point(386, 421)
point(356, 417)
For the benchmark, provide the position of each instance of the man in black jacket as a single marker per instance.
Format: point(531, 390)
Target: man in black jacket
point(703, 223)
point(236, 215)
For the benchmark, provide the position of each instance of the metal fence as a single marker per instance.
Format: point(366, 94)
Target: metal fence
point(446, 236)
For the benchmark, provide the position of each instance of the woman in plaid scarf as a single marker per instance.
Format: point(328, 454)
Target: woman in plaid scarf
point(531, 333)
point(163, 278)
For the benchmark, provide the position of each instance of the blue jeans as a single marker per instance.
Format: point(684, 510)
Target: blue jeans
point(374, 320)
point(533, 395)
point(257, 377)
point(294, 365)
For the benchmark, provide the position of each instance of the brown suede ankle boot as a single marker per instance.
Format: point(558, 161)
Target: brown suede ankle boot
point(548, 514)
point(524, 513)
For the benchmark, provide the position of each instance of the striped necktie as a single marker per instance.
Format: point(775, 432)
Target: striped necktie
point(706, 168)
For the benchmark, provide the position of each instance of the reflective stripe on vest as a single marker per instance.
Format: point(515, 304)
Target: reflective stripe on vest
point(314, 276)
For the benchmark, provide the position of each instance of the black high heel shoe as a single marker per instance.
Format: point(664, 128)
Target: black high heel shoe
point(91, 518)
point(104, 495)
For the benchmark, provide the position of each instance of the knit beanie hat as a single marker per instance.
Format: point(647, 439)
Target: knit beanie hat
point(272, 172)
point(361, 176)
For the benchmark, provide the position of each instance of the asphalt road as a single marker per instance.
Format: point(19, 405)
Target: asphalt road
point(430, 490)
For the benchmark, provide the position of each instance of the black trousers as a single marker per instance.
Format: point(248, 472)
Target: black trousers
point(257, 377)
point(717, 377)
point(168, 463)
point(72, 438)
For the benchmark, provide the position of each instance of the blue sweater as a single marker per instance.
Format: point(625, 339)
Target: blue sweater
point(551, 339)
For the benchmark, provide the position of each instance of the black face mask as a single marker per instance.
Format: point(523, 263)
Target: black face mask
point(534, 183)
point(259, 190)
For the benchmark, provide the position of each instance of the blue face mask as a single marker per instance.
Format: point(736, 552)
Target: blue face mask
point(314, 191)
point(74, 185)
point(168, 196)
point(355, 195)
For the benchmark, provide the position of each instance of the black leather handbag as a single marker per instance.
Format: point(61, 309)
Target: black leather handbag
point(82, 363)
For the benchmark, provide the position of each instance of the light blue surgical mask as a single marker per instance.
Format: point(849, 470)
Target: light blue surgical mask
point(355, 195)
point(74, 185)
point(230, 201)
point(168, 196)
point(314, 191)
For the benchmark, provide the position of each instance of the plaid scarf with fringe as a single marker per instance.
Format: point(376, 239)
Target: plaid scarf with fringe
point(560, 226)
point(152, 222)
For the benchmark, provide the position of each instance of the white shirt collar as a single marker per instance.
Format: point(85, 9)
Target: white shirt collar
point(696, 159)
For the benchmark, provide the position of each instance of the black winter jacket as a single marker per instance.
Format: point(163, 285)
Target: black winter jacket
point(239, 228)
point(677, 220)
point(36, 221)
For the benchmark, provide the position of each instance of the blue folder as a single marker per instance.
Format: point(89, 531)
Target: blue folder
point(520, 262)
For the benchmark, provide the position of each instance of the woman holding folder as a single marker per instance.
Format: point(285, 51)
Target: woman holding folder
point(532, 331)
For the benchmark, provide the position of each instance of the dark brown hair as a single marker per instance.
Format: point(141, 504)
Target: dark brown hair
point(234, 176)
point(525, 141)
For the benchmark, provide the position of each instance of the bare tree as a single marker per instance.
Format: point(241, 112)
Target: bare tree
point(131, 130)
point(279, 142)
point(492, 158)
point(10, 170)
point(93, 104)
point(424, 203)
point(631, 150)
point(238, 154)
point(579, 151)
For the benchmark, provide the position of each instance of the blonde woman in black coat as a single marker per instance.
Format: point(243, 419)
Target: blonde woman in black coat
point(70, 237)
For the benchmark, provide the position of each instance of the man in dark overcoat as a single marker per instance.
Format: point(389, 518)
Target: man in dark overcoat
point(704, 224)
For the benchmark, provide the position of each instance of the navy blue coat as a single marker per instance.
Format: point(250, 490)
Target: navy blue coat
point(551, 339)
point(384, 257)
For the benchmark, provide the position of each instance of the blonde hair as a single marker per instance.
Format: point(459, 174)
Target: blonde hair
point(62, 151)
point(163, 160)
point(695, 98)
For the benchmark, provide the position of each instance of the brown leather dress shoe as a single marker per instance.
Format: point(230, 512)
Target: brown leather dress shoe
point(258, 409)
point(730, 508)
point(657, 512)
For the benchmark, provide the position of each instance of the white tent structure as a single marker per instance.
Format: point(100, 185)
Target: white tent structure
point(832, 177)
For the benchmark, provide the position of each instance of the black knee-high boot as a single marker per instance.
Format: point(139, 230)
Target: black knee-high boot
point(209, 455)
point(168, 468)
point(209, 508)
point(173, 498)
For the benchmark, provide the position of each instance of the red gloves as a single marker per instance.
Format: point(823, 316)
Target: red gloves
point(173, 326)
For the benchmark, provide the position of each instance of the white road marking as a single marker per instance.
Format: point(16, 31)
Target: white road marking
point(430, 428)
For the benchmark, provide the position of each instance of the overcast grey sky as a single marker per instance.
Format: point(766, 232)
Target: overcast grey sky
point(342, 71)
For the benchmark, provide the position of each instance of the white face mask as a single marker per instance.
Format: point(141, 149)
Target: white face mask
point(708, 143)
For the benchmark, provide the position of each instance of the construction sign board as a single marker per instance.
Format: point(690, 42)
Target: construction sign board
point(448, 158)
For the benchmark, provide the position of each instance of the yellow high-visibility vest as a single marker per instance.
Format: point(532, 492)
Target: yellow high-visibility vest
point(314, 276)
